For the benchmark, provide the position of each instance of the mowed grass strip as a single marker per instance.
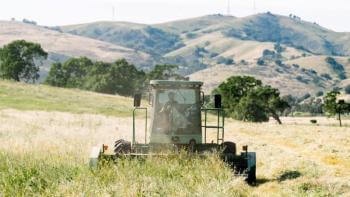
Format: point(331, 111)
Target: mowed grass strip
point(45, 98)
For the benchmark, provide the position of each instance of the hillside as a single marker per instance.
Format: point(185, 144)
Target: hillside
point(214, 47)
point(61, 46)
point(136, 36)
point(283, 51)
point(46, 135)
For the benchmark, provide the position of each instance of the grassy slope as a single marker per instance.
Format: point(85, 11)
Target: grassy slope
point(45, 152)
point(45, 98)
point(66, 44)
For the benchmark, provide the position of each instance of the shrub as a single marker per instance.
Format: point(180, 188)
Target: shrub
point(267, 52)
point(347, 89)
point(319, 93)
point(326, 76)
point(229, 61)
point(313, 121)
point(223, 60)
point(278, 63)
point(244, 62)
point(296, 65)
point(278, 48)
point(191, 35)
point(261, 62)
point(29, 21)
point(212, 55)
point(336, 67)
point(301, 79)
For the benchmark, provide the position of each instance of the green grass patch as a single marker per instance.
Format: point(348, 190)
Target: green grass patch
point(45, 98)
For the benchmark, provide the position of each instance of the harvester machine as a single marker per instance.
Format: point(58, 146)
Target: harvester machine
point(179, 120)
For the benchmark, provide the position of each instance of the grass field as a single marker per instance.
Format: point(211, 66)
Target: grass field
point(44, 151)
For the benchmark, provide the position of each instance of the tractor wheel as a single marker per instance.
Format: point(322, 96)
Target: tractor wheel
point(251, 179)
point(229, 147)
point(122, 147)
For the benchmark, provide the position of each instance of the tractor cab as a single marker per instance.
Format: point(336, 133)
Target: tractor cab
point(176, 112)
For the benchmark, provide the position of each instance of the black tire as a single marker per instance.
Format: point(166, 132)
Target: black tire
point(122, 147)
point(251, 179)
point(229, 147)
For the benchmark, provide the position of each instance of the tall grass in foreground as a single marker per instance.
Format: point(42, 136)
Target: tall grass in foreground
point(23, 175)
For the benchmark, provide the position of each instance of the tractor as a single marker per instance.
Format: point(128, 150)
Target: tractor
point(179, 121)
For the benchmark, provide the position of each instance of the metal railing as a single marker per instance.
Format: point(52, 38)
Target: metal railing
point(220, 113)
point(133, 124)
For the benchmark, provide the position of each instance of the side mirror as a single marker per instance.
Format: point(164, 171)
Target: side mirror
point(150, 99)
point(202, 98)
point(217, 101)
point(137, 100)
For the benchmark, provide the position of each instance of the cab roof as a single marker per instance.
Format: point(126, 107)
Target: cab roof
point(173, 83)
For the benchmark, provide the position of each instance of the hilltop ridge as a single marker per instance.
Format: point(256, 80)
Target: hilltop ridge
point(284, 51)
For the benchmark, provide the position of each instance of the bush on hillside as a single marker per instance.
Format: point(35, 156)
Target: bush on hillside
point(319, 93)
point(326, 76)
point(336, 67)
point(347, 89)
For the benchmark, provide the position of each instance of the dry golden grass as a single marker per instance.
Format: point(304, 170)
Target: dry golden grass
point(46, 135)
point(294, 159)
point(66, 44)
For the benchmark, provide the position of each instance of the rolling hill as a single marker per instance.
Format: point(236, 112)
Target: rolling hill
point(283, 51)
point(61, 46)
point(214, 47)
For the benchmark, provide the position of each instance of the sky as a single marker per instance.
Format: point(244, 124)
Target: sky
point(332, 14)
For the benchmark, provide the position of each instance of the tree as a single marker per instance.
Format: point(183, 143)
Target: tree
point(260, 62)
point(319, 93)
point(333, 106)
point(259, 104)
point(18, 61)
point(330, 102)
point(245, 98)
point(336, 67)
point(119, 77)
point(278, 48)
point(56, 76)
point(70, 74)
point(164, 72)
point(235, 88)
point(347, 89)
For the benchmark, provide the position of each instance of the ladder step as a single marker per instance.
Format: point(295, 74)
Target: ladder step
point(213, 127)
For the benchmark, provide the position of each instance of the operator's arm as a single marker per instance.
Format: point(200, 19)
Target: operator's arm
point(165, 108)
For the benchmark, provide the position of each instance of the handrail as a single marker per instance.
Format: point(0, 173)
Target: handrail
point(220, 112)
point(133, 124)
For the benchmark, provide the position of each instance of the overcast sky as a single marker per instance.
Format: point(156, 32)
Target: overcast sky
point(333, 14)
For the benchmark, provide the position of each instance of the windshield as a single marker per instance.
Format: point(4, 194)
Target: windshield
point(183, 96)
point(177, 111)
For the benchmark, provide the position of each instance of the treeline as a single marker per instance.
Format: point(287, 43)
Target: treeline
point(119, 77)
point(20, 60)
